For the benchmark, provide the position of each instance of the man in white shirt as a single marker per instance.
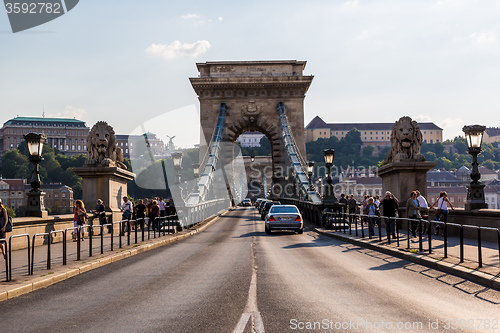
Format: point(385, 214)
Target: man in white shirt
point(424, 209)
point(127, 210)
point(161, 204)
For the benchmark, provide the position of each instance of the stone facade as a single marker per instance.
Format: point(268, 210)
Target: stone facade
point(251, 91)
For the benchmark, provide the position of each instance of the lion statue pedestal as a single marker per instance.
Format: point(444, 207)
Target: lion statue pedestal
point(405, 168)
point(104, 175)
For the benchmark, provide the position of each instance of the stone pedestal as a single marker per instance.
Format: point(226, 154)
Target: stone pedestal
point(475, 196)
point(106, 183)
point(401, 178)
point(36, 208)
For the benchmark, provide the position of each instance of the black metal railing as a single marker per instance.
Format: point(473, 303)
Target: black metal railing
point(349, 222)
point(159, 227)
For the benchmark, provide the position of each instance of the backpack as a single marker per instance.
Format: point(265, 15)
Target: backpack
point(8, 227)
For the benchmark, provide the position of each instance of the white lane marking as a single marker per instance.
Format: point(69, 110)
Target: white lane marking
point(251, 309)
point(242, 323)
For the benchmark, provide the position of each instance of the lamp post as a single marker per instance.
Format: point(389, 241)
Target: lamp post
point(475, 190)
point(320, 185)
point(177, 159)
point(310, 169)
point(196, 171)
point(252, 158)
point(35, 196)
point(329, 195)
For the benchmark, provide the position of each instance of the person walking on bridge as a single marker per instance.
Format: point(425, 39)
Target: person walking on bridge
point(413, 213)
point(79, 218)
point(389, 204)
point(4, 218)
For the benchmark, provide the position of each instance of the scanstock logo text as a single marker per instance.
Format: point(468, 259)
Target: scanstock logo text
point(26, 14)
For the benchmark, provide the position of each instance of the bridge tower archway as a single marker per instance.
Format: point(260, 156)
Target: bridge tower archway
point(251, 91)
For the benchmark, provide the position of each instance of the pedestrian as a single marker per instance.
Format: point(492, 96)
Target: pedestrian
point(140, 212)
point(412, 212)
point(389, 204)
point(352, 205)
point(79, 218)
point(424, 209)
point(154, 215)
point(4, 218)
point(161, 204)
point(101, 214)
point(441, 210)
point(364, 203)
point(377, 200)
point(127, 211)
point(148, 204)
point(372, 211)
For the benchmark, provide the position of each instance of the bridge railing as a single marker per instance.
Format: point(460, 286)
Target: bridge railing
point(134, 231)
point(422, 227)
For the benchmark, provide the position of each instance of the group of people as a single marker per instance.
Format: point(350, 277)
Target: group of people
point(388, 206)
point(148, 210)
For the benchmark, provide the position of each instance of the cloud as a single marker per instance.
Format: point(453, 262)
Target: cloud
point(220, 18)
point(423, 118)
point(351, 4)
point(69, 112)
point(452, 127)
point(484, 37)
point(191, 16)
point(178, 50)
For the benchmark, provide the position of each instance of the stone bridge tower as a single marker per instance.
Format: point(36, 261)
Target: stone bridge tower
point(251, 91)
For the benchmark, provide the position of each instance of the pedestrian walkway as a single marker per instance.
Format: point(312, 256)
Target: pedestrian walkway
point(90, 256)
point(490, 253)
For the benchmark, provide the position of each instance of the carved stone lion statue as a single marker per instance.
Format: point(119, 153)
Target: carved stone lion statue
point(406, 142)
point(101, 147)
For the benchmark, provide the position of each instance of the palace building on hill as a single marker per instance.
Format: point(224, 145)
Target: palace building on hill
point(66, 134)
point(371, 133)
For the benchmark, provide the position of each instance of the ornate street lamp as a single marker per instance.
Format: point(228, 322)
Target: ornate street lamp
point(35, 143)
point(177, 159)
point(196, 171)
point(329, 195)
point(252, 158)
point(475, 190)
point(310, 169)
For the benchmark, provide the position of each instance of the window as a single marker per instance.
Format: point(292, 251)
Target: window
point(72, 147)
point(79, 147)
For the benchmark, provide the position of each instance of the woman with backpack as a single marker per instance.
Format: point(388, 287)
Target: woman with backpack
point(79, 219)
point(4, 218)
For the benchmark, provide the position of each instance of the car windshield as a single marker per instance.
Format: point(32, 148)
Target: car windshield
point(281, 209)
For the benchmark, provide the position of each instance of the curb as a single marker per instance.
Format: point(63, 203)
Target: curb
point(43, 283)
point(481, 278)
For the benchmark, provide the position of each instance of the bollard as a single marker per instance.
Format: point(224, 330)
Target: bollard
point(479, 249)
point(461, 243)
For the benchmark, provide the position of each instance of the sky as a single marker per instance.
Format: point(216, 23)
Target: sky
point(129, 62)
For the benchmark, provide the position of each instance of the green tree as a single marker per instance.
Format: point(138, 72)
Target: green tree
point(368, 151)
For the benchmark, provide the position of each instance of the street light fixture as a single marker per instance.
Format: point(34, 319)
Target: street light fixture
point(196, 171)
point(252, 158)
point(329, 196)
point(177, 159)
point(310, 169)
point(475, 190)
point(35, 143)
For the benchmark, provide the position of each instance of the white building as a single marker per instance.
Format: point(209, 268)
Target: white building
point(250, 139)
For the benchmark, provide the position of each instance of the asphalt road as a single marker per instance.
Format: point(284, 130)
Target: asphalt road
point(235, 278)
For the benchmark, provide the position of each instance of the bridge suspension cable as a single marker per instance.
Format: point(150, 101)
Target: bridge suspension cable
point(297, 162)
point(209, 161)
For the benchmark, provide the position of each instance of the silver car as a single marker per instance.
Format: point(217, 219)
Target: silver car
point(284, 217)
